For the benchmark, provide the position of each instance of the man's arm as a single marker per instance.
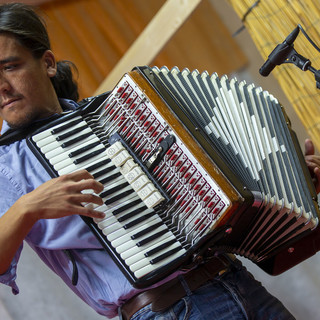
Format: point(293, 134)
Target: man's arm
point(56, 198)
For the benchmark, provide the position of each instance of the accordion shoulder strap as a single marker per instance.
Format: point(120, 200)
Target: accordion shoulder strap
point(13, 135)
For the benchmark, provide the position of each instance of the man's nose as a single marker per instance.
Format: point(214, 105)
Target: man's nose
point(4, 84)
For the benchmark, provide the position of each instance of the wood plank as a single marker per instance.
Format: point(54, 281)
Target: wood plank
point(67, 46)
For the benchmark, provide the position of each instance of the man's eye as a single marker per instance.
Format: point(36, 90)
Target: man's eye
point(10, 67)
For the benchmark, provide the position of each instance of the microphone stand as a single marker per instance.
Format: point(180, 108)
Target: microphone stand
point(285, 53)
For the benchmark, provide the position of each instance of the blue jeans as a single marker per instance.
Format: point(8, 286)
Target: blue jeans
point(235, 295)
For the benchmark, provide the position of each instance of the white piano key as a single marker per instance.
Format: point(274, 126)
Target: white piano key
point(103, 208)
point(129, 243)
point(108, 221)
point(52, 138)
point(46, 141)
point(107, 209)
point(60, 158)
point(103, 166)
point(52, 146)
point(144, 248)
point(47, 133)
point(127, 188)
point(71, 167)
point(115, 180)
point(113, 233)
point(140, 272)
point(116, 203)
point(139, 259)
point(109, 213)
point(59, 150)
point(131, 209)
point(131, 215)
point(63, 164)
point(57, 144)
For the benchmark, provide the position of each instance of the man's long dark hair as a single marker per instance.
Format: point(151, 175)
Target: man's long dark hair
point(29, 29)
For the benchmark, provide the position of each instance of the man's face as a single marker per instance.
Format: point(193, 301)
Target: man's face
point(26, 92)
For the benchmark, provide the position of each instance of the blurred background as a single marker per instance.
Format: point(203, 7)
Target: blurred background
point(98, 35)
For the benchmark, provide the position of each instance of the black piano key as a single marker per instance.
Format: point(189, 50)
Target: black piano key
point(66, 126)
point(164, 255)
point(118, 197)
point(132, 213)
point(146, 230)
point(98, 165)
point(138, 220)
point(75, 140)
point(114, 189)
point(152, 237)
point(159, 248)
point(89, 156)
point(83, 149)
point(127, 206)
point(104, 170)
point(71, 133)
point(110, 178)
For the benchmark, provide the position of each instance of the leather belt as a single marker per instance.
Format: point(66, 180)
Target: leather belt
point(169, 293)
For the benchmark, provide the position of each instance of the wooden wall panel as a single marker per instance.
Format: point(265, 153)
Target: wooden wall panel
point(96, 33)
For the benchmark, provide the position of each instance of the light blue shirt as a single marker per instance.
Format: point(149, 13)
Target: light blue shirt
point(101, 284)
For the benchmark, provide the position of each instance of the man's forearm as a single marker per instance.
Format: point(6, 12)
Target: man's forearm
point(15, 224)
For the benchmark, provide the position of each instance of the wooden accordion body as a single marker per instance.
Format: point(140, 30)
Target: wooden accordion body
point(194, 163)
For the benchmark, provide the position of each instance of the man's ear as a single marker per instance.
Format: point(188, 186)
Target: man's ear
point(50, 63)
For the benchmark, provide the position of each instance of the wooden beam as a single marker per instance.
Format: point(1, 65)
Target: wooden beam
point(152, 39)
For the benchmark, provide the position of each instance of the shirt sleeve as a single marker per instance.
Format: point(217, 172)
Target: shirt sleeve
point(11, 192)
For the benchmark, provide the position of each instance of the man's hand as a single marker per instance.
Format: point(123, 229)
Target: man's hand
point(313, 163)
point(55, 198)
point(63, 196)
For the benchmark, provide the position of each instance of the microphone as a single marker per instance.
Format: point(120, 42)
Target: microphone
point(279, 54)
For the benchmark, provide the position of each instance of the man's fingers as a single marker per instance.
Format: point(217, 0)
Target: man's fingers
point(89, 198)
point(91, 213)
point(78, 175)
point(309, 148)
point(79, 181)
point(316, 172)
point(84, 210)
point(89, 184)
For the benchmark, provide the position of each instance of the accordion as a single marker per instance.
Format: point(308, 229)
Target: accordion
point(191, 164)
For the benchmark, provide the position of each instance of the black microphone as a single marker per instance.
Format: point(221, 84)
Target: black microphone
point(279, 54)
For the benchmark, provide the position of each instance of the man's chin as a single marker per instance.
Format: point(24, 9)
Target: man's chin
point(21, 123)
